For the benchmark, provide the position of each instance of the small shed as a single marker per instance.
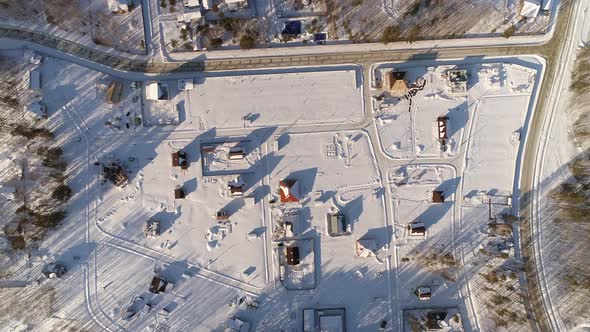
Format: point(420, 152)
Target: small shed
point(54, 270)
point(417, 228)
point(222, 215)
point(236, 190)
point(189, 14)
point(115, 173)
point(159, 285)
point(289, 191)
point(179, 193)
point(337, 224)
point(292, 254)
point(35, 79)
point(441, 123)
point(151, 228)
point(156, 91)
point(236, 153)
point(114, 92)
point(179, 158)
point(424, 293)
point(438, 196)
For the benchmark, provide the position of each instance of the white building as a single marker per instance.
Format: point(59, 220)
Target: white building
point(530, 8)
point(191, 3)
point(156, 91)
point(190, 14)
point(207, 4)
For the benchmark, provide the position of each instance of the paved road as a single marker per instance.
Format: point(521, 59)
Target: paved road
point(142, 66)
point(549, 104)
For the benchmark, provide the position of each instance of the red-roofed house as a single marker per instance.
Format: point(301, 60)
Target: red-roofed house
point(289, 191)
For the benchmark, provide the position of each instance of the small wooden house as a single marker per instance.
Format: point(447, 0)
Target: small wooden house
point(222, 215)
point(424, 293)
point(114, 92)
point(160, 285)
point(180, 158)
point(292, 254)
point(236, 153)
point(417, 229)
point(179, 193)
point(236, 190)
point(438, 196)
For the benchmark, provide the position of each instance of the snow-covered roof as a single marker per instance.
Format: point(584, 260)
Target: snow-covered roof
point(530, 8)
point(118, 5)
point(194, 13)
point(207, 4)
point(331, 323)
point(151, 91)
point(156, 91)
point(365, 247)
point(191, 3)
point(289, 191)
point(234, 1)
point(34, 79)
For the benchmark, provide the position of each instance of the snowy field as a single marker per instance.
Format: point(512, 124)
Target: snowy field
point(124, 276)
point(407, 127)
point(422, 263)
point(280, 98)
point(212, 257)
point(189, 227)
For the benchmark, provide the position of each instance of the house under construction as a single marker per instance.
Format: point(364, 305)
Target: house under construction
point(394, 83)
point(151, 228)
point(114, 173)
point(458, 80)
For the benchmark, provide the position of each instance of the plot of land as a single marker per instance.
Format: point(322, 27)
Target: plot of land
point(494, 144)
point(423, 261)
point(277, 99)
point(189, 226)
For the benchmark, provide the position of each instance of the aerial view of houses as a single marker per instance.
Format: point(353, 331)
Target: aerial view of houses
point(285, 165)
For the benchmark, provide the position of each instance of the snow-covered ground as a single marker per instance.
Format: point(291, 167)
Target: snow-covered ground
point(422, 262)
point(294, 124)
point(407, 127)
point(278, 98)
